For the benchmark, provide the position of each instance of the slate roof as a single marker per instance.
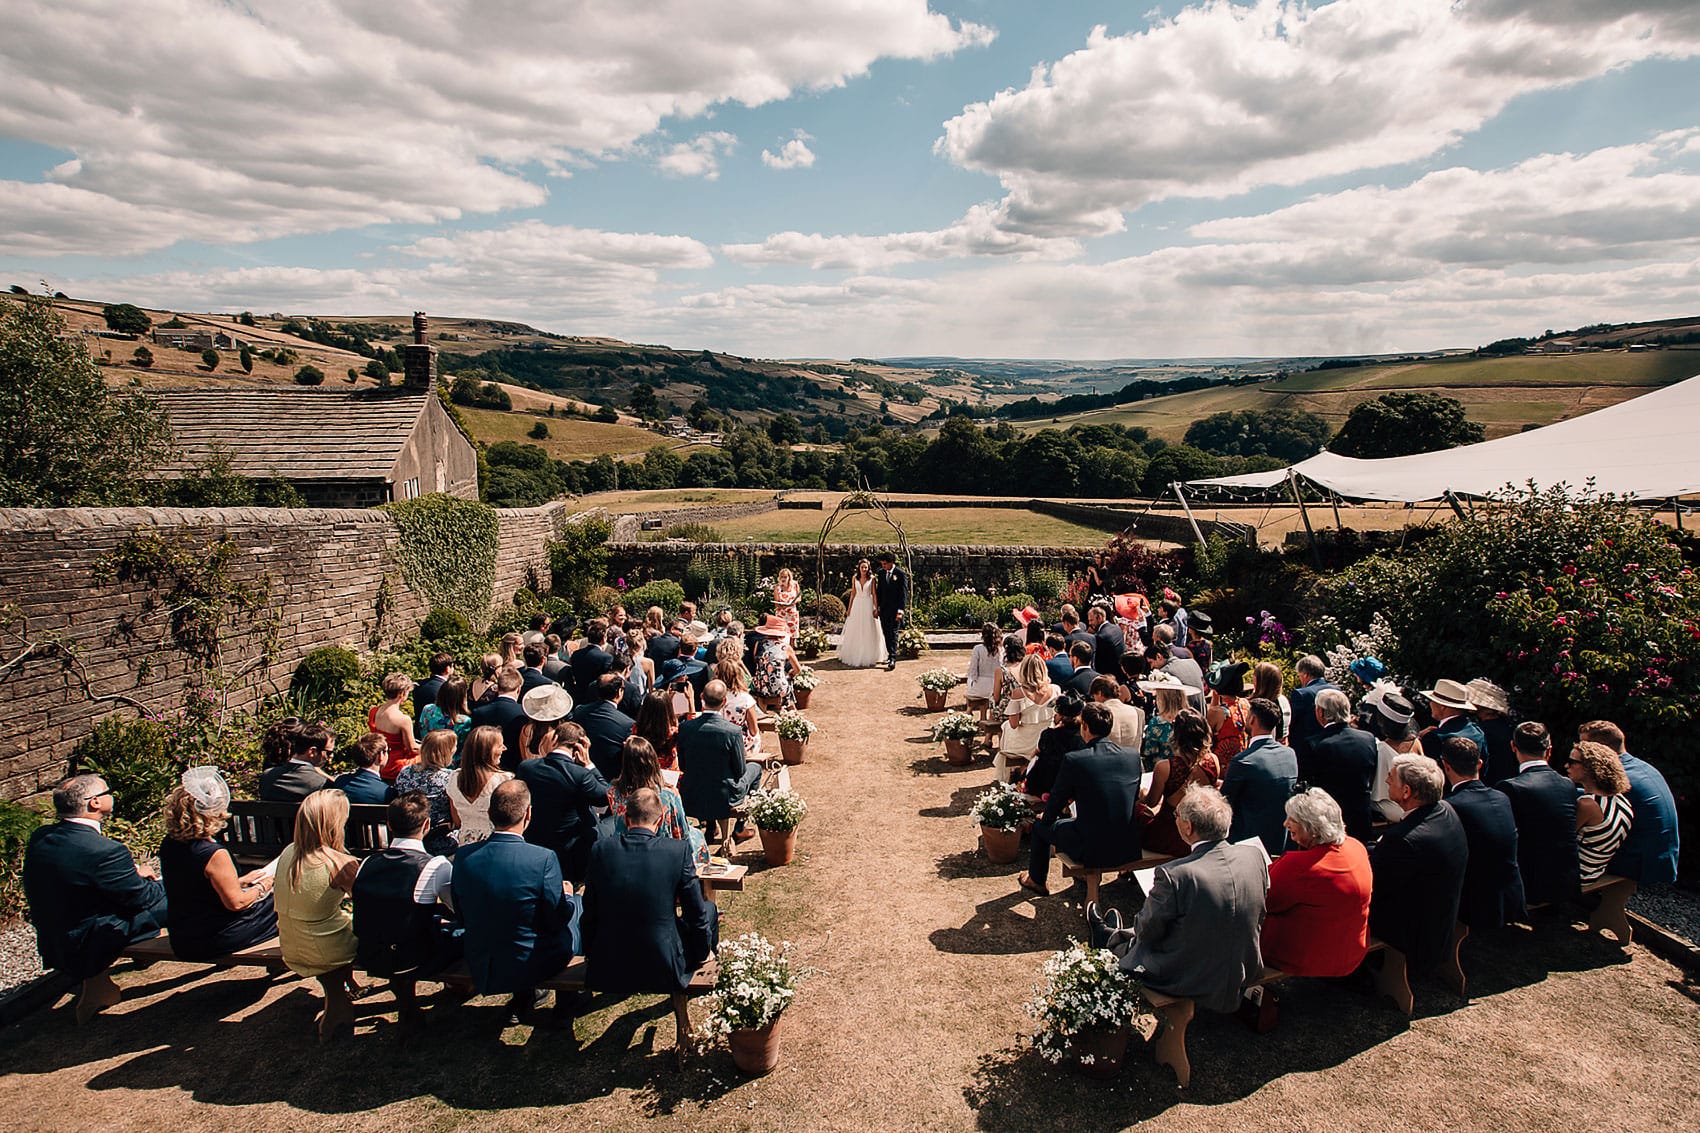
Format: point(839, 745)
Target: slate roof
point(293, 432)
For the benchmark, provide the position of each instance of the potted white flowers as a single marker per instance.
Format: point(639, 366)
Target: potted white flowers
point(776, 815)
point(753, 987)
point(1000, 813)
point(911, 642)
point(811, 642)
point(936, 685)
point(804, 685)
point(956, 731)
point(793, 730)
point(1086, 1009)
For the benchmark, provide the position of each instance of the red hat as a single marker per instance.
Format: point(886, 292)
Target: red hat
point(1026, 614)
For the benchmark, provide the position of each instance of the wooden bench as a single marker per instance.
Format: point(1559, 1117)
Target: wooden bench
point(1093, 875)
point(257, 831)
point(1612, 913)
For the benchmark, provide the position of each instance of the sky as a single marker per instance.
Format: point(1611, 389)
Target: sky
point(869, 178)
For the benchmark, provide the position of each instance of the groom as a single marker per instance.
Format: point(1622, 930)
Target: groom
point(891, 589)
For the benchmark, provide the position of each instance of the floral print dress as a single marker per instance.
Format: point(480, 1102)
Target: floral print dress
point(772, 677)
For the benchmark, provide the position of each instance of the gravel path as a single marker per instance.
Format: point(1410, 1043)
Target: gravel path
point(1671, 908)
point(19, 963)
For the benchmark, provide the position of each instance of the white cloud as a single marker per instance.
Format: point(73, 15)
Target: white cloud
point(794, 154)
point(238, 122)
point(699, 157)
point(1221, 98)
point(976, 234)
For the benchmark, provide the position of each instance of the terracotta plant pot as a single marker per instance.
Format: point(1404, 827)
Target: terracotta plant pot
point(956, 751)
point(1106, 1047)
point(792, 751)
point(756, 1051)
point(935, 699)
point(1002, 846)
point(778, 847)
point(803, 695)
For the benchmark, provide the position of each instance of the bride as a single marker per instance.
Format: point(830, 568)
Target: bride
point(862, 645)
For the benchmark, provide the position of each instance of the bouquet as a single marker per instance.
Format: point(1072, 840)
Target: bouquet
point(781, 809)
point(937, 680)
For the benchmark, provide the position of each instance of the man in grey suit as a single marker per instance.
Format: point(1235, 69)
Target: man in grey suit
point(1259, 781)
point(1197, 934)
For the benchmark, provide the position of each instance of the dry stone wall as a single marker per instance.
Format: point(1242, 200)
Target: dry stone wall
point(981, 566)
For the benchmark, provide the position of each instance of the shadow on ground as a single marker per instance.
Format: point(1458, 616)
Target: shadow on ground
point(961, 801)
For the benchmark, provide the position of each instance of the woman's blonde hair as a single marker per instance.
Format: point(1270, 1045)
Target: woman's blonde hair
point(397, 684)
point(318, 830)
point(729, 649)
point(731, 671)
point(438, 749)
point(512, 643)
point(478, 760)
point(784, 575)
point(184, 823)
point(1171, 702)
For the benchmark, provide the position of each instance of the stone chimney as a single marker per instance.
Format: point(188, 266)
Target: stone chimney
point(419, 360)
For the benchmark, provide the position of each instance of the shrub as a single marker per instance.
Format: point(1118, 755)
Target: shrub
point(143, 357)
point(663, 592)
point(17, 823)
point(1045, 583)
point(539, 431)
point(694, 532)
point(578, 560)
point(604, 598)
point(754, 983)
point(440, 624)
point(954, 610)
point(1005, 605)
point(323, 674)
point(828, 608)
point(911, 642)
point(309, 376)
point(134, 758)
point(210, 358)
point(447, 551)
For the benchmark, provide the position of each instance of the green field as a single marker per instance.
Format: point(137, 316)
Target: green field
point(570, 438)
point(1012, 526)
point(1504, 394)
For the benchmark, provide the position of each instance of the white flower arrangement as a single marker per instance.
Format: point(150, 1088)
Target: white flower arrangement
point(911, 641)
point(777, 809)
point(1001, 808)
point(1380, 642)
point(1084, 988)
point(811, 641)
point(793, 725)
point(755, 983)
point(956, 726)
point(806, 679)
point(937, 680)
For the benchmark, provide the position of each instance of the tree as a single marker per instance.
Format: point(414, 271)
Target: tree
point(644, 403)
point(246, 318)
point(126, 318)
point(173, 323)
point(246, 357)
point(378, 372)
point(1398, 424)
point(1289, 434)
point(209, 358)
point(608, 415)
point(539, 431)
point(66, 438)
point(785, 430)
point(143, 357)
point(353, 375)
point(309, 375)
point(1178, 462)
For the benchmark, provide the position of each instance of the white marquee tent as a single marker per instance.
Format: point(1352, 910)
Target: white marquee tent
point(1644, 448)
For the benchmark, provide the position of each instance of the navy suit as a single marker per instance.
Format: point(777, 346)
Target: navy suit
point(504, 713)
point(562, 793)
point(1418, 877)
point(713, 773)
point(534, 678)
point(1108, 645)
point(1649, 855)
point(520, 927)
point(362, 785)
point(86, 898)
point(425, 692)
point(1305, 728)
point(1080, 682)
point(1060, 668)
point(1544, 804)
point(1102, 780)
point(662, 647)
point(633, 940)
point(608, 729)
point(1257, 784)
point(588, 663)
point(1493, 888)
point(1342, 761)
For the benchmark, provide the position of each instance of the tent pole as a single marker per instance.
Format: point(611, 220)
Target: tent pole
point(1334, 499)
point(1676, 510)
point(1456, 506)
point(1181, 496)
point(1298, 497)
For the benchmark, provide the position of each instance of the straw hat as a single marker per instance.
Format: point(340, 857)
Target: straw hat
point(1484, 693)
point(1451, 694)
point(1160, 680)
point(547, 703)
point(773, 626)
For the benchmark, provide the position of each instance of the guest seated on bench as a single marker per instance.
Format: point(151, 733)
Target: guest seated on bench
point(1418, 867)
point(1649, 855)
point(565, 790)
point(1319, 893)
point(87, 896)
point(303, 748)
point(1189, 763)
point(400, 929)
point(1493, 888)
point(1062, 737)
point(714, 775)
point(1196, 936)
point(1603, 812)
point(363, 785)
point(521, 917)
point(1102, 781)
point(213, 911)
point(315, 928)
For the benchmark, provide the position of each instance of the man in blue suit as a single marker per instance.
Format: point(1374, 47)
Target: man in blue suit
point(1341, 760)
point(714, 776)
point(87, 897)
point(1303, 701)
point(1544, 805)
point(1259, 781)
point(362, 785)
point(604, 724)
point(1493, 886)
point(521, 918)
point(590, 660)
point(1102, 781)
point(564, 789)
point(505, 713)
point(1649, 855)
point(634, 942)
point(1449, 703)
point(1059, 666)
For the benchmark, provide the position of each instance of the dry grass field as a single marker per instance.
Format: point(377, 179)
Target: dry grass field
point(1013, 527)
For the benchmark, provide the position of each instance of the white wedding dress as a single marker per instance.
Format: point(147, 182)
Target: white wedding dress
point(862, 644)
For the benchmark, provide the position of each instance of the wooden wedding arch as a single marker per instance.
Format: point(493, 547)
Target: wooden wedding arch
point(862, 499)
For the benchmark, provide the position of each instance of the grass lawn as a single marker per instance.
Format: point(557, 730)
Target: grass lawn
point(570, 438)
point(921, 525)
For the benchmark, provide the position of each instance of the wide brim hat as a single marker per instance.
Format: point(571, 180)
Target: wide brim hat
point(1451, 694)
point(1025, 615)
point(1368, 669)
point(1230, 678)
point(1158, 682)
point(1388, 703)
point(547, 703)
point(1201, 624)
point(773, 626)
point(1485, 694)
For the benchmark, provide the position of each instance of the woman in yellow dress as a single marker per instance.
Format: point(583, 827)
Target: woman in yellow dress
point(315, 927)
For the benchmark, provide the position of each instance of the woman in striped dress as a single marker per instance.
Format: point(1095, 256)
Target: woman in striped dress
point(1603, 813)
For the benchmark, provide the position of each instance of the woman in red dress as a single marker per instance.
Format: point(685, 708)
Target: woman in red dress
point(1317, 909)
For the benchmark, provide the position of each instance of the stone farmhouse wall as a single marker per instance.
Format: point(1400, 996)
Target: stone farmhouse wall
point(326, 569)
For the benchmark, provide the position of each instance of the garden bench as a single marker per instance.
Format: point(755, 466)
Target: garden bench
point(257, 832)
point(1612, 913)
point(1093, 875)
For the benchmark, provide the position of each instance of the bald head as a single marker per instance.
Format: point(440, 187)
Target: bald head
point(714, 695)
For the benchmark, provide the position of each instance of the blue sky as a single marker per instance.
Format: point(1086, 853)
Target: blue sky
point(1068, 179)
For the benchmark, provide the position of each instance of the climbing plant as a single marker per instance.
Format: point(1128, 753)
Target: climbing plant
point(448, 552)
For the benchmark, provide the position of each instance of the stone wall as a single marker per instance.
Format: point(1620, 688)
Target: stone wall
point(325, 568)
point(982, 566)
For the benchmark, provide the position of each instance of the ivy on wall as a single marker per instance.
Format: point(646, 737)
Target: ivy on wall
point(448, 552)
